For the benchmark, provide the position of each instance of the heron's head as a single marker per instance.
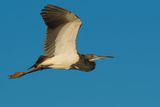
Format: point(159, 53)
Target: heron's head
point(92, 57)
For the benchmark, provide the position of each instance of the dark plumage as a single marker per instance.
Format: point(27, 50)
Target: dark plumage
point(84, 64)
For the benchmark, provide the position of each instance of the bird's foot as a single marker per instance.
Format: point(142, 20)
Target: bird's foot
point(17, 75)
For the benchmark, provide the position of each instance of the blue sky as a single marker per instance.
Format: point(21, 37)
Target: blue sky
point(128, 30)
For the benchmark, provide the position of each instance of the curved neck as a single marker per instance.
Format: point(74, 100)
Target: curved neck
point(84, 64)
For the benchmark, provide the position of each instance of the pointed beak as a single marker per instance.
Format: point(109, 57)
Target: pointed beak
point(100, 57)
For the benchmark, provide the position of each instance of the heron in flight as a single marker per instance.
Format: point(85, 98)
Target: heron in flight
point(60, 50)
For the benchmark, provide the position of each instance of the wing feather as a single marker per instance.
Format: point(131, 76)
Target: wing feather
point(62, 30)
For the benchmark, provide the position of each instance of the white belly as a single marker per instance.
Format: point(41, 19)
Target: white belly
point(62, 61)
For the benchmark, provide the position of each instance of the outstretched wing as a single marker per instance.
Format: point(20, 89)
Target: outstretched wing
point(62, 31)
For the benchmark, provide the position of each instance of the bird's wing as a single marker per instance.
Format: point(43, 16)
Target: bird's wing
point(62, 30)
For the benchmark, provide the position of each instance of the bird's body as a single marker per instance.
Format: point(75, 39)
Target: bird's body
point(60, 51)
point(60, 62)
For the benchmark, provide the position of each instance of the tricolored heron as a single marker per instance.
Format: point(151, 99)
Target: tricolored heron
point(60, 45)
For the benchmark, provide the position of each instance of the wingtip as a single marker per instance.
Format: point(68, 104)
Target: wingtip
point(51, 6)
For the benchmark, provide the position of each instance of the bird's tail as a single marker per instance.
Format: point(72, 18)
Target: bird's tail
point(31, 66)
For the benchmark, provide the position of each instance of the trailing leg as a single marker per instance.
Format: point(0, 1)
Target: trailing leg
point(20, 74)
